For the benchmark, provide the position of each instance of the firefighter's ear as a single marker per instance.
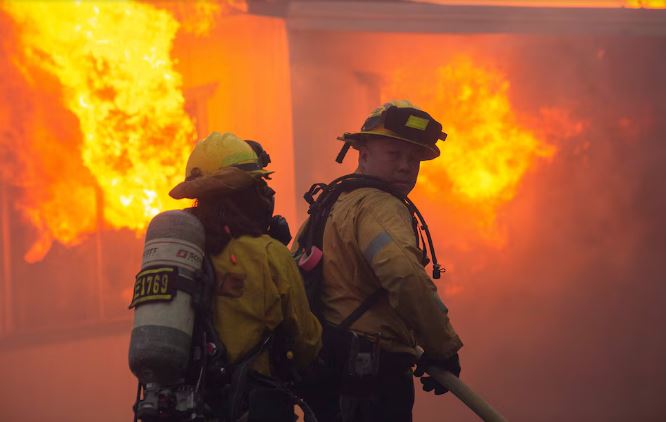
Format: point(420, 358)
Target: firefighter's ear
point(362, 156)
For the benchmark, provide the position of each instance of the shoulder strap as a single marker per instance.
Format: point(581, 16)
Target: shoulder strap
point(368, 303)
point(322, 197)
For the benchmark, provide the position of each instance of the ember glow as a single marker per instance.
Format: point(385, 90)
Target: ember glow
point(647, 4)
point(198, 16)
point(488, 152)
point(113, 62)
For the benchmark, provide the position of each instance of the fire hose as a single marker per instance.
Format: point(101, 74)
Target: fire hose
point(466, 395)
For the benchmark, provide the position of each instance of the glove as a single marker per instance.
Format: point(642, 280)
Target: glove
point(451, 364)
point(279, 229)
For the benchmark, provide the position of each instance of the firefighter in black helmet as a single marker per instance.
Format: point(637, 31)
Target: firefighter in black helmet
point(377, 303)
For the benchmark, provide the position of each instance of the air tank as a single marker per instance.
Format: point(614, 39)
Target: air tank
point(161, 338)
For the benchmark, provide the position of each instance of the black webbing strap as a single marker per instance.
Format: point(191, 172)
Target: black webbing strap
point(326, 195)
point(161, 283)
point(368, 303)
point(269, 382)
point(240, 371)
point(322, 197)
point(186, 285)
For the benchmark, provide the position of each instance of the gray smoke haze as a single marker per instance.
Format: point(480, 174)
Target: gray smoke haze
point(570, 324)
point(562, 323)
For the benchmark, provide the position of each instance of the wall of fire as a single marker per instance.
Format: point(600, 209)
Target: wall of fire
point(227, 88)
point(64, 320)
point(561, 135)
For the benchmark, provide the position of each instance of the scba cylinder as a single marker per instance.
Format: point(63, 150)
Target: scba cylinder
point(161, 338)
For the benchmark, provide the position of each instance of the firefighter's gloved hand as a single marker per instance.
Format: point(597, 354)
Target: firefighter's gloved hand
point(451, 364)
point(279, 229)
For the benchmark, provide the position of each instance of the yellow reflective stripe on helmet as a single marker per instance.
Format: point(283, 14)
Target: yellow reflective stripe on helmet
point(376, 245)
point(417, 122)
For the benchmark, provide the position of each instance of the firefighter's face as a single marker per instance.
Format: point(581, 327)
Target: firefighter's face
point(394, 161)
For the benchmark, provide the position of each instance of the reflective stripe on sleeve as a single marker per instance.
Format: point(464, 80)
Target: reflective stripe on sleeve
point(376, 245)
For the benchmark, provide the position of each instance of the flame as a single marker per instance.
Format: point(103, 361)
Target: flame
point(487, 152)
point(113, 62)
point(646, 4)
point(198, 16)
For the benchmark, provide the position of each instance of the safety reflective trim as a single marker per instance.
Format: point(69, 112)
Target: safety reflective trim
point(417, 122)
point(376, 245)
point(156, 270)
point(150, 299)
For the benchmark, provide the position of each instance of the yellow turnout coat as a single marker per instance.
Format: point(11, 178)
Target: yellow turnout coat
point(260, 287)
point(369, 243)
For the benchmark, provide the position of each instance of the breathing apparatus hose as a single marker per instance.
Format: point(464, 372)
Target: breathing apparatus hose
point(436, 268)
point(326, 195)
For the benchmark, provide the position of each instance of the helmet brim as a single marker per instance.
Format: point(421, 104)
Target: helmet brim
point(225, 180)
point(430, 152)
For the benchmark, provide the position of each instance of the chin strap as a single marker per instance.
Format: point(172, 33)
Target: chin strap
point(343, 150)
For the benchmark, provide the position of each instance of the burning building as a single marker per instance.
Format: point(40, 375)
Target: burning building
point(546, 205)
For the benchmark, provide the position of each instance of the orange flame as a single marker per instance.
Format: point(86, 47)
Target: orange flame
point(198, 16)
point(487, 152)
point(113, 62)
point(646, 4)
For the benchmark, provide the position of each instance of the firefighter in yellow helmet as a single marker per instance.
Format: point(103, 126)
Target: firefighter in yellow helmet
point(259, 287)
point(378, 305)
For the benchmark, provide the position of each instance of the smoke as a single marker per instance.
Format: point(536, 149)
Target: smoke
point(562, 320)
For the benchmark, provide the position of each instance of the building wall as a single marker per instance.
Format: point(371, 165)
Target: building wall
point(65, 333)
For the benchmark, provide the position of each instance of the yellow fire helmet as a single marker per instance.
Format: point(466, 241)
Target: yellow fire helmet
point(401, 120)
point(219, 164)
